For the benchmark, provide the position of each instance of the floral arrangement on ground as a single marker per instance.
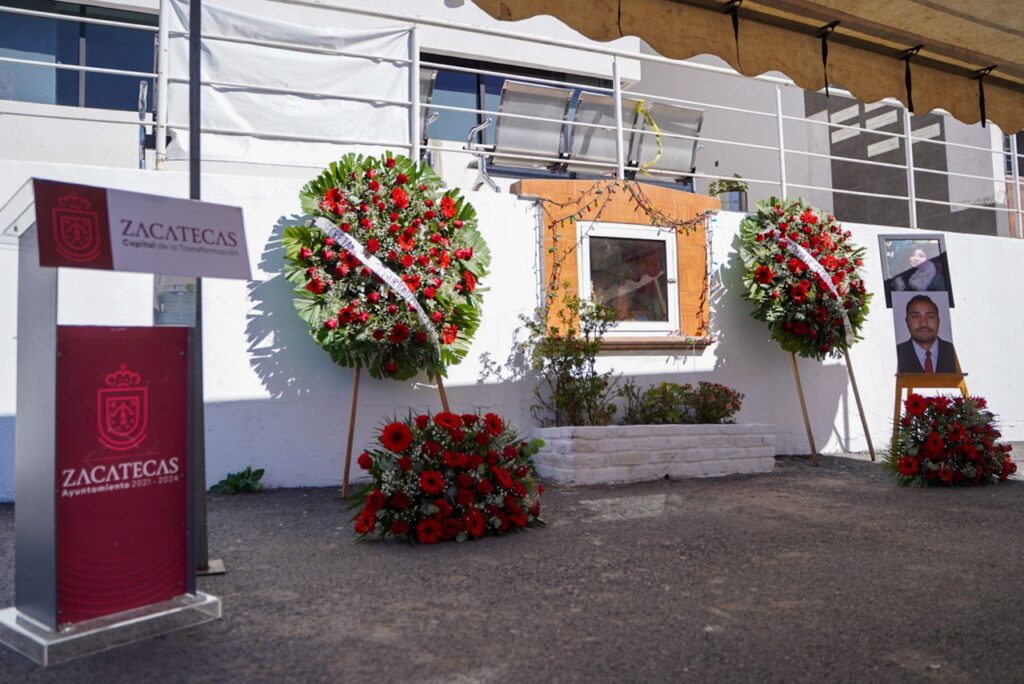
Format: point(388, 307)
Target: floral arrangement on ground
point(397, 211)
point(948, 441)
point(804, 276)
point(448, 477)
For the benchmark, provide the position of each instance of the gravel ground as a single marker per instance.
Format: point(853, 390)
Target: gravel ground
point(800, 575)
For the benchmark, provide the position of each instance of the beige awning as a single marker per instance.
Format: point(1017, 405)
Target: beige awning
point(865, 49)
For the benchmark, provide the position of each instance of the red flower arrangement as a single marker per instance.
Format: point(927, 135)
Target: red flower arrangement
point(948, 441)
point(428, 237)
point(444, 477)
point(803, 310)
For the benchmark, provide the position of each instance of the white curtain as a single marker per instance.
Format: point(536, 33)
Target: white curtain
point(263, 124)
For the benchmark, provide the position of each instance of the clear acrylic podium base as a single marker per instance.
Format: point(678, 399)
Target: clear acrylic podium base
point(47, 647)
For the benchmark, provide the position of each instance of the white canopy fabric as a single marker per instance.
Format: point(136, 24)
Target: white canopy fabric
point(958, 40)
point(257, 54)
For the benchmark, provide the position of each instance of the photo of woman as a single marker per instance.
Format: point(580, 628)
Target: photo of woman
point(914, 263)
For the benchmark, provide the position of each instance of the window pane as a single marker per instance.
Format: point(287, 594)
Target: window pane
point(111, 47)
point(453, 89)
point(630, 277)
point(40, 40)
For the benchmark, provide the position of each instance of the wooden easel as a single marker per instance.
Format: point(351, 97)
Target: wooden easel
point(352, 424)
point(912, 381)
point(856, 396)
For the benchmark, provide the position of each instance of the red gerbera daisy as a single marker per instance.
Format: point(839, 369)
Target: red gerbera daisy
point(431, 482)
point(493, 424)
point(396, 437)
point(908, 466)
point(399, 527)
point(428, 531)
point(447, 207)
point(451, 527)
point(366, 522)
point(933, 444)
point(916, 404)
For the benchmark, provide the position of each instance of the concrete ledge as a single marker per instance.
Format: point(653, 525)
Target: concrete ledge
point(635, 453)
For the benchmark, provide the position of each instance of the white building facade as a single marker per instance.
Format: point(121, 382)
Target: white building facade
point(274, 399)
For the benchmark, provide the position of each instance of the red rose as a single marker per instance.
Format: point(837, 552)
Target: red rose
point(475, 523)
point(399, 527)
point(372, 245)
point(331, 323)
point(504, 479)
point(422, 421)
point(493, 424)
point(375, 499)
point(390, 162)
point(464, 480)
point(482, 439)
point(447, 420)
point(444, 509)
point(366, 522)
point(407, 260)
point(509, 451)
point(365, 461)
point(432, 448)
point(401, 179)
point(465, 498)
point(484, 487)
point(428, 531)
point(451, 528)
point(399, 501)
point(456, 435)
point(431, 482)
point(305, 253)
point(405, 464)
point(396, 437)
point(400, 197)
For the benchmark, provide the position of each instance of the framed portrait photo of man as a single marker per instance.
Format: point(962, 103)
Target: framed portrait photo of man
point(924, 334)
point(914, 263)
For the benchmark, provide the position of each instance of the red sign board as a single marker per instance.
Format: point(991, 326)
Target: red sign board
point(122, 446)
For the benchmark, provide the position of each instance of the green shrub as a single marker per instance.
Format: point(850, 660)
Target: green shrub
point(670, 403)
point(247, 480)
point(570, 391)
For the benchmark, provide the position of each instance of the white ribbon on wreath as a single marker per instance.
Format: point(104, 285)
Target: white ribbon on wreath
point(819, 270)
point(387, 276)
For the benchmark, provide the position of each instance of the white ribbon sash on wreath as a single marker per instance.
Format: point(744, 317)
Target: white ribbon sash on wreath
point(811, 263)
point(386, 275)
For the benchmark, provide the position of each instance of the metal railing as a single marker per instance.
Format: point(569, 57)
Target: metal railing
point(787, 174)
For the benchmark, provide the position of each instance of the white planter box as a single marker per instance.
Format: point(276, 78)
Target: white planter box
point(634, 453)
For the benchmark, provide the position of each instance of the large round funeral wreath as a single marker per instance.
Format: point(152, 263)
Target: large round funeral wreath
point(803, 274)
point(399, 213)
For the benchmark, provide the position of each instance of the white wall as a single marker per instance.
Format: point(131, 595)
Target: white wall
point(275, 400)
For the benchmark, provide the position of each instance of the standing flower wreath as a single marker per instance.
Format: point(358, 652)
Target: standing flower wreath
point(448, 477)
point(804, 276)
point(412, 233)
point(948, 441)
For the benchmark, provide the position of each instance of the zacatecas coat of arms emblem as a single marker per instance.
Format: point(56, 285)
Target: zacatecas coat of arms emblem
point(76, 229)
point(123, 410)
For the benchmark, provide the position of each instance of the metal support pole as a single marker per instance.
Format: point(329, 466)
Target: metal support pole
point(908, 143)
point(415, 115)
point(620, 152)
point(784, 187)
point(1015, 170)
point(195, 31)
point(162, 59)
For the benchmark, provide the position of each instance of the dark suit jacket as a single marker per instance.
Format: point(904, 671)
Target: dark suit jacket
point(906, 358)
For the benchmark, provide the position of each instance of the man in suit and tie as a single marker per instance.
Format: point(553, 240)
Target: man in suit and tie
point(925, 352)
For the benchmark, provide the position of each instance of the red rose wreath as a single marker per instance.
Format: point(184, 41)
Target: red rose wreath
point(804, 276)
point(413, 235)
